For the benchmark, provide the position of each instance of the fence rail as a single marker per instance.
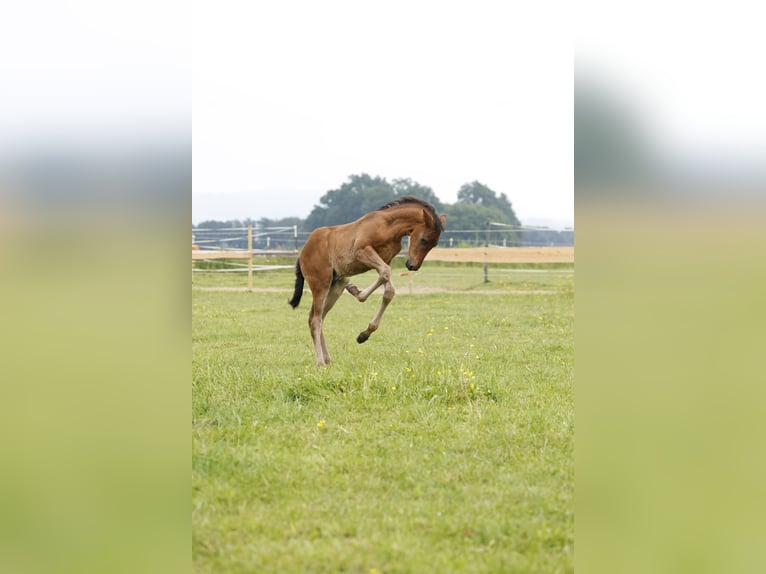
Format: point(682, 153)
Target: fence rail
point(289, 238)
point(208, 250)
point(239, 254)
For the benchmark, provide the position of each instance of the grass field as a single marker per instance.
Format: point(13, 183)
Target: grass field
point(443, 444)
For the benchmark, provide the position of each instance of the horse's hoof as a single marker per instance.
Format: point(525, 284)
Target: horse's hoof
point(362, 337)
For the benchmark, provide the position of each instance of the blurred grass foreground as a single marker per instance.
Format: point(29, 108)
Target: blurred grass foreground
point(669, 341)
point(95, 359)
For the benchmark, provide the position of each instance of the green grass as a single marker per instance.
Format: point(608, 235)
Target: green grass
point(443, 275)
point(443, 444)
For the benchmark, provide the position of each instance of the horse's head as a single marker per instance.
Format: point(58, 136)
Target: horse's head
point(423, 238)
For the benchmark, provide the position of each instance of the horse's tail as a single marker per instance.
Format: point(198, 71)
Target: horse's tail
point(298, 293)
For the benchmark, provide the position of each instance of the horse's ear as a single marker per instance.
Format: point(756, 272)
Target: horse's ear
point(428, 218)
point(443, 219)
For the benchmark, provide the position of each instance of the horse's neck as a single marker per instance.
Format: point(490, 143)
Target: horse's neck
point(404, 222)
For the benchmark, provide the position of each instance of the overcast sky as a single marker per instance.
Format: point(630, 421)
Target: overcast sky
point(292, 98)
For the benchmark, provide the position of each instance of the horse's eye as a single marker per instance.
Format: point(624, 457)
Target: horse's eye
point(423, 241)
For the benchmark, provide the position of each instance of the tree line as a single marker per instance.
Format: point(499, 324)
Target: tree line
point(476, 205)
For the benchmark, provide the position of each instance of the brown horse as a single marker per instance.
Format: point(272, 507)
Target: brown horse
point(333, 254)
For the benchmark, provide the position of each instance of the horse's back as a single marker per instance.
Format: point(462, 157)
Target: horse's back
point(333, 249)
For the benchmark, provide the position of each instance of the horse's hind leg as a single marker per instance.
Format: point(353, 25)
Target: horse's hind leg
point(315, 327)
point(320, 291)
point(335, 291)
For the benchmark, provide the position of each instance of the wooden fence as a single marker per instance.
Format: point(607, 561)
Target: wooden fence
point(559, 254)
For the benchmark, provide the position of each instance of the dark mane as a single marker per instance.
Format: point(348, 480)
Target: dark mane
point(411, 199)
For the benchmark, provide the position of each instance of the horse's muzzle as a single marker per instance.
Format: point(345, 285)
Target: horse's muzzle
point(410, 266)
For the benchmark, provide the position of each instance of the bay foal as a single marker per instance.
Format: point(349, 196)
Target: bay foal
point(333, 254)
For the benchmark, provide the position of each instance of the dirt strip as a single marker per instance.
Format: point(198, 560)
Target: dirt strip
point(416, 290)
point(503, 254)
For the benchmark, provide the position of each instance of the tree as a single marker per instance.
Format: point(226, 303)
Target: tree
point(216, 224)
point(479, 194)
point(469, 216)
point(477, 204)
point(362, 194)
point(264, 222)
point(359, 195)
point(405, 186)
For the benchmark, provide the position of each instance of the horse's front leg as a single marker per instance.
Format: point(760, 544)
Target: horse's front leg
point(371, 257)
point(388, 295)
point(363, 295)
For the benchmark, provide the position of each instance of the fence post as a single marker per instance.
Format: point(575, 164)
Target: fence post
point(250, 258)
